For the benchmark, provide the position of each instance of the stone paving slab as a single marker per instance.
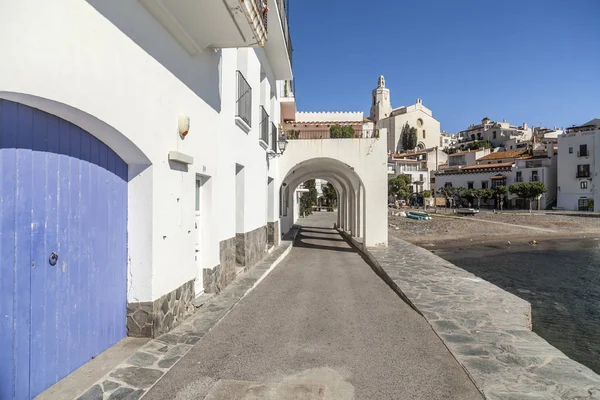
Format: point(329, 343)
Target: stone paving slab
point(133, 378)
point(487, 329)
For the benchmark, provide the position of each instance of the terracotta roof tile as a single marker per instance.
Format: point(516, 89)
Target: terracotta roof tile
point(503, 154)
point(487, 166)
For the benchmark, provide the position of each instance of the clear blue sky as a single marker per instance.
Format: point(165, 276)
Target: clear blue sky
point(534, 61)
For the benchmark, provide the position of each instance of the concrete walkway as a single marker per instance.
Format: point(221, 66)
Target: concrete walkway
point(322, 325)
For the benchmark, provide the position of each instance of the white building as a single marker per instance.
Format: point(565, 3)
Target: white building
point(448, 140)
point(502, 168)
point(499, 134)
point(147, 129)
point(420, 165)
point(578, 150)
point(417, 116)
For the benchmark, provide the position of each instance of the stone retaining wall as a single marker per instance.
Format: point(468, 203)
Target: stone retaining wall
point(273, 234)
point(153, 318)
point(251, 246)
point(215, 279)
point(487, 329)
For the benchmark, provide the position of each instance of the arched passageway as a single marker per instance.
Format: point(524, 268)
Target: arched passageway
point(355, 193)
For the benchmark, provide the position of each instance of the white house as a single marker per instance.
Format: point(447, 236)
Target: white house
point(578, 150)
point(144, 133)
point(500, 134)
point(448, 140)
point(503, 168)
point(419, 165)
point(417, 116)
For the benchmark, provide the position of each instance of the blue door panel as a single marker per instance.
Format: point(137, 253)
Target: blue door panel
point(22, 268)
point(8, 157)
point(62, 191)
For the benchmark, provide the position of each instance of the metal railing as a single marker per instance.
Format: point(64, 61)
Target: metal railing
point(274, 137)
point(583, 175)
point(326, 134)
point(534, 178)
point(283, 15)
point(262, 15)
point(264, 125)
point(583, 153)
point(243, 103)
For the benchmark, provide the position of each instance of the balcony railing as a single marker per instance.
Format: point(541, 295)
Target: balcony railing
point(519, 179)
point(583, 175)
point(264, 125)
point(283, 14)
point(326, 134)
point(244, 99)
point(534, 178)
point(583, 153)
point(263, 15)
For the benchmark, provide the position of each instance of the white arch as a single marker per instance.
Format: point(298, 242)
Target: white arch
point(351, 212)
point(119, 143)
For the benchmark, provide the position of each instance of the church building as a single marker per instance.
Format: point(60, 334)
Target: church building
point(417, 116)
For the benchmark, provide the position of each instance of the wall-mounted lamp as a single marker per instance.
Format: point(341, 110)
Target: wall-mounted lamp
point(281, 146)
point(183, 123)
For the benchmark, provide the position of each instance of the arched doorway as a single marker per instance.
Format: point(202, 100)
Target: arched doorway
point(63, 242)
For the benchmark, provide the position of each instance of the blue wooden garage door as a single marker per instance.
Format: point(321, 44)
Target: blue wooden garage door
point(63, 249)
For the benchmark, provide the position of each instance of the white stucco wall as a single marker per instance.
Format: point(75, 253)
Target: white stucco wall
point(570, 187)
point(111, 68)
point(351, 162)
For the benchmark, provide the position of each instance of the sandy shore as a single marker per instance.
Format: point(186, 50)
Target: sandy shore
point(448, 230)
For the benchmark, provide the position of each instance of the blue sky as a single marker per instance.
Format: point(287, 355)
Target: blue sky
point(534, 61)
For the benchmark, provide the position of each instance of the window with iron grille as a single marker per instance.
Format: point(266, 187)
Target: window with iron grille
point(243, 104)
point(274, 135)
point(264, 125)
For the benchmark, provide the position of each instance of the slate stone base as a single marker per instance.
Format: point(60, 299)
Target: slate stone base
point(273, 235)
point(215, 279)
point(153, 318)
point(251, 246)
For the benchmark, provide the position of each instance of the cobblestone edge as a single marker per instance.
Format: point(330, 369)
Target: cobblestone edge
point(486, 329)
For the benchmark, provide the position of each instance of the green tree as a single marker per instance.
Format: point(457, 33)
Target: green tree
point(426, 193)
point(408, 137)
point(330, 194)
point(479, 194)
point(528, 190)
point(404, 136)
point(308, 199)
point(399, 186)
point(337, 131)
point(293, 134)
point(347, 132)
point(500, 191)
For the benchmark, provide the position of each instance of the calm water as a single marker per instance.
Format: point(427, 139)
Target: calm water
point(561, 280)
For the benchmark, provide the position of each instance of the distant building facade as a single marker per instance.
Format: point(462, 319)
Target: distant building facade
point(502, 168)
point(578, 150)
point(393, 119)
point(420, 166)
point(499, 134)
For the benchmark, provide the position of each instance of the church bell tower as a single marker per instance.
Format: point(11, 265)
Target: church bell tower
point(381, 105)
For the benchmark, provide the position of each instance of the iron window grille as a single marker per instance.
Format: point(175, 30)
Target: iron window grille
point(244, 99)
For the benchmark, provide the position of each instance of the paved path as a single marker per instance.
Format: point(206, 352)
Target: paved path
point(322, 325)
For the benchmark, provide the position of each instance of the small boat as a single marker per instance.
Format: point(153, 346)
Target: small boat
point(418, 215)
point(467, 211)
